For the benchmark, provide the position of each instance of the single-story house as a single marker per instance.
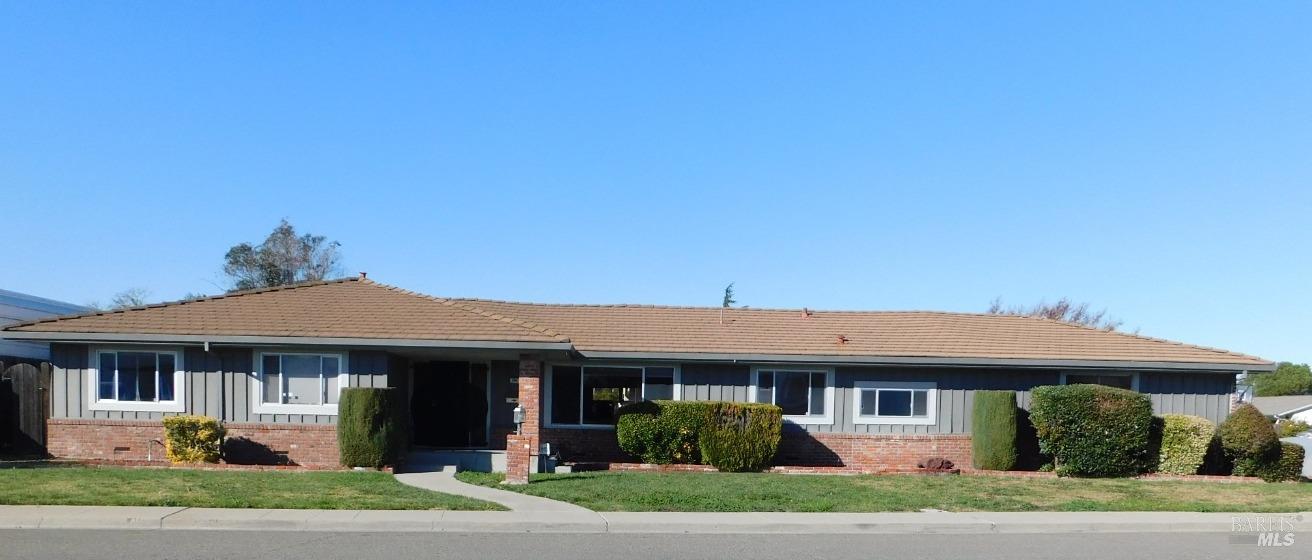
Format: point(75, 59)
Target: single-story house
point(1291, 407)
point(18, 308)
point(862, 390)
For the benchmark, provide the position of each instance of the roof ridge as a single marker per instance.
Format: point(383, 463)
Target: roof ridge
point(226, 295)
point(1143, 337)
point(742, 308)
point(540, 329)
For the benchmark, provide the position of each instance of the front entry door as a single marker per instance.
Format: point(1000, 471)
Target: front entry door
point(449, 406)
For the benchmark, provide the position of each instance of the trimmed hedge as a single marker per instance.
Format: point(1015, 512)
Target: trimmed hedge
point(993, 430)
point(1184, 443)
point(193, 439)
point(1286, 466)
point(662, 432)
point(1247, 435)
point(369, 431)
point(740, 437)
point(1092, 430)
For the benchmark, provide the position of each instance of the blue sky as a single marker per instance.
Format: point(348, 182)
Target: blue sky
point(1153, 160)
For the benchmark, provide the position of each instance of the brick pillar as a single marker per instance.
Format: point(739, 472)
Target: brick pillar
point(522, 448)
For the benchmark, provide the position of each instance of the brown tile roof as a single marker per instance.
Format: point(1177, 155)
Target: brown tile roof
point(347, 308)
point(357, 308)
point(657, 329)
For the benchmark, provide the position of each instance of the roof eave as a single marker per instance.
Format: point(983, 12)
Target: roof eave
point(152, 338)
point(930, 360)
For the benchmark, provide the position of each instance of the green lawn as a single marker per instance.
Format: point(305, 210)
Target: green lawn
point(108, 486)
point(629, 491)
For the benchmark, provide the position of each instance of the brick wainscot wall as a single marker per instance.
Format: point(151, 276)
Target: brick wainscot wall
point(308, 445)
point(869, 453)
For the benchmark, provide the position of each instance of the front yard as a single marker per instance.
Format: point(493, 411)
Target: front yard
point(631, 491)
point(109, 486)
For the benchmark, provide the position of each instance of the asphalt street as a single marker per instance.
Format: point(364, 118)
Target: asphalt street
point(40, 544)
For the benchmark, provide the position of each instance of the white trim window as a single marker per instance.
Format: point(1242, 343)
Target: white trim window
point(590, 396)
point(298, 382)
point(805, 395)
point(895, 402)
point(1119, 379)
point(136, 379)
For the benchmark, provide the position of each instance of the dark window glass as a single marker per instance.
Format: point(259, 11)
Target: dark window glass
point(660, 384)
point(136, 376)
point(894, 403)
point(1121, 381)
point(272, 371)
point(765, 387)
point(793, 391)
point(565, 395)
point(606, 389)
point(166, 369)
point(108, 364)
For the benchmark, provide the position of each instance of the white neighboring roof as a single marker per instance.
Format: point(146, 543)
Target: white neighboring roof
point(17, 308)
point(1283, 406)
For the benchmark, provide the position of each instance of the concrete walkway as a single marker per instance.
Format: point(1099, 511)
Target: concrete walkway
point(444, 480)
point(95, 517)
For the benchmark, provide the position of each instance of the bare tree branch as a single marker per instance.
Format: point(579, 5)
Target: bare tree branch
point(1063, 310)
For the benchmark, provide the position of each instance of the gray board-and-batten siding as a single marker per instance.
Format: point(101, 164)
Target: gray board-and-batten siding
point(1205, 394)
point(219, 385)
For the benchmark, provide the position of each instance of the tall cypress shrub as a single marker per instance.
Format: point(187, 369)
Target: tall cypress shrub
point(369, 432)
point(993, 430)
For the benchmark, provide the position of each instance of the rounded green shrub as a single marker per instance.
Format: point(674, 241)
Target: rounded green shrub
point(993, 430)
point(662, 432)
point(369, 433)
point(740, 437)
point(1247, 435)
point(1092, 430)
point(1284, 465)
point(193, 439)
point(1184, 443)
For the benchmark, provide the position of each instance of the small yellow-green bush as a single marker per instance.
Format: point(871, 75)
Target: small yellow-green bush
point(1291, 428)
point(1185, 440)
point(193, 439)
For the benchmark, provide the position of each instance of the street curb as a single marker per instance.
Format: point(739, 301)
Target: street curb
point(935, 522)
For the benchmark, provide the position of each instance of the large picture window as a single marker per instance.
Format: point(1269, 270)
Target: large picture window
point(805, 395)
point(297, 382)
point(892, 402)
point(143, 380)
point(591, 395)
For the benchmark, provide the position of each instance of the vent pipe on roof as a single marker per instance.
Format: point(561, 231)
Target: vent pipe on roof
point(363, 275)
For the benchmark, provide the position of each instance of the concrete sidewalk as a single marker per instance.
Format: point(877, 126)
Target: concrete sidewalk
point(444, 480)
point(93, 517)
